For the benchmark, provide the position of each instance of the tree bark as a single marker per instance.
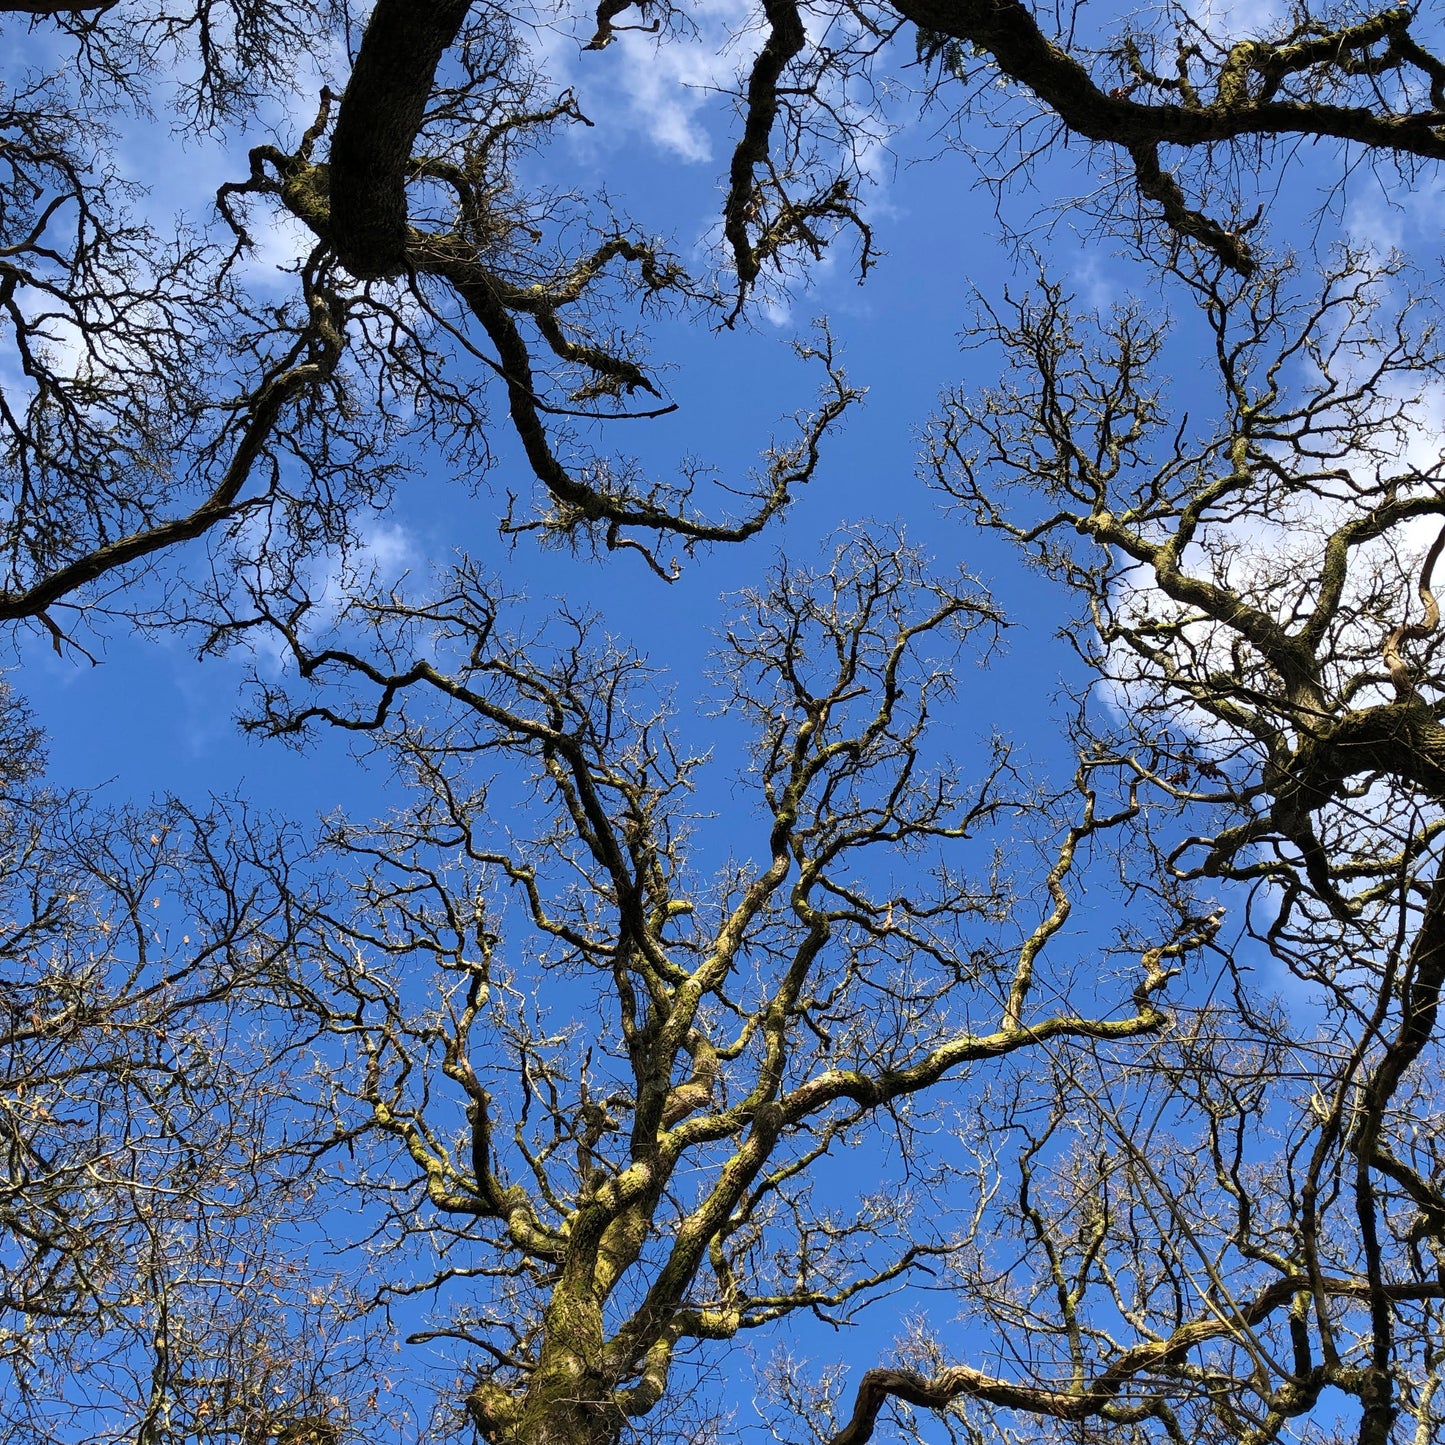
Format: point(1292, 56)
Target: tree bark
point(376, 127)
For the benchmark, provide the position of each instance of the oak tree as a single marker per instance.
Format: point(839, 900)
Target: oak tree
point(1210, 1238)
point(620, 1105)
point(158, 1158)
point(579, 1059)
point(431, 273)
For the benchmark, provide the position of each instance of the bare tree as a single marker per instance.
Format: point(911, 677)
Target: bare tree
point(157, 1156)
point(432, 275)
point(1210, 1238)
point(621, 1113)
point(119, 447)
point(600, 1130)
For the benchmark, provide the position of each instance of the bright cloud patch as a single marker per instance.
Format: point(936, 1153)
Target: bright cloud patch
point(661, 93)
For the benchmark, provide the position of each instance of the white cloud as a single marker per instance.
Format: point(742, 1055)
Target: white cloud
point(390, 547)
point(1403, 219)
point(1230, 19)
point(1272, 556)
point(278, 242)
point(1089, 274)
point(666, 90)
point(663, 93)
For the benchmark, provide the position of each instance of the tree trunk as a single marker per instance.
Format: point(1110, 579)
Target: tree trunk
point(565, 1401)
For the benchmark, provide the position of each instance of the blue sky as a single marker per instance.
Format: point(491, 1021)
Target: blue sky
point(166, 722)
point(151, 719)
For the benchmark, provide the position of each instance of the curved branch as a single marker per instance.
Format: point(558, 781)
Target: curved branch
point(959, 1382)
point(1008, 32)
point(1011, 35)
point(296, 374)
point(786, 38)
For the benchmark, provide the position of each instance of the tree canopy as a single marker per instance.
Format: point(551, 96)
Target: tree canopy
point(847, 1053)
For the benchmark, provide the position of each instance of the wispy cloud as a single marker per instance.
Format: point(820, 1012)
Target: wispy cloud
point(1406, 219)
point(661, 93)
point(1234, 18)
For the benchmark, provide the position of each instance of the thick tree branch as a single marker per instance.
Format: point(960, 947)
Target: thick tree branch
point(376, 128)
